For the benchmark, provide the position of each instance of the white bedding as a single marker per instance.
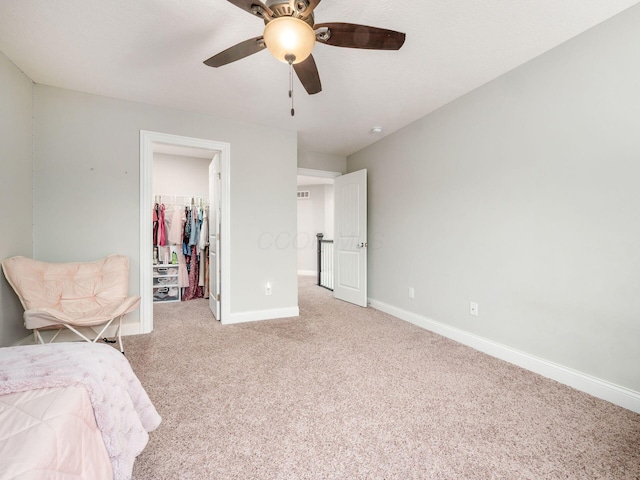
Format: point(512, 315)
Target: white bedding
point(51, 433)
point(123, 411)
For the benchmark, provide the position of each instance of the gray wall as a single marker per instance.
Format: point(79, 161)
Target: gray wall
point(523, 196)
point(87, 187)
point(15, 188)
point(322, 161)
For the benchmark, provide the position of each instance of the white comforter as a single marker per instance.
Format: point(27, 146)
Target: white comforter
point(123, 411)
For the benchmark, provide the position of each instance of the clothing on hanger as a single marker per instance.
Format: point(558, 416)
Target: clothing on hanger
point(181, 230)
point(162, 227)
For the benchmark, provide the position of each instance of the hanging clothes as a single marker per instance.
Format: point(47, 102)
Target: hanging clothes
point(203, 241)
point(194, 235)
point(155, 224)
point(202, 268)
point(186, 232)
point(206, 272)
point(193, 290)
point(162, 227)
point(187, 227)
point(181, 236)
point(177, 226)
point(176, 235)
point(183, 273)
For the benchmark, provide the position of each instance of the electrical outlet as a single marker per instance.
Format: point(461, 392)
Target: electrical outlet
point(412, 292)
point(267, 288)
point(473, 309)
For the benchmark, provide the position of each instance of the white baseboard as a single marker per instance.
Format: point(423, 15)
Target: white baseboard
point(308, 273)
point(128, 328)
point(28, 340)
point(610, 392)
point(262, 315)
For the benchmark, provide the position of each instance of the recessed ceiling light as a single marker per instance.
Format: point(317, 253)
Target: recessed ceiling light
point(376, 131)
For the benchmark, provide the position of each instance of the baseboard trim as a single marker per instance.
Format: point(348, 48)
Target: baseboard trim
point(604, 390)
point(257, 315)
point(28, 340)
point(128, 328)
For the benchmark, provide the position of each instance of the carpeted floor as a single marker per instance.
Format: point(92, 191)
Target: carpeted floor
point(349, 393)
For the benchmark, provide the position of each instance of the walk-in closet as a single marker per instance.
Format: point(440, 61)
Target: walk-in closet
point(181, 223)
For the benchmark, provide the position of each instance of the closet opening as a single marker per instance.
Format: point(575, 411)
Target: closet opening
point(182, 215)
point(184, 224)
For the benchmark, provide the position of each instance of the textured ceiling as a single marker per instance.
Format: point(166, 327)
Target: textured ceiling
point(152, 51)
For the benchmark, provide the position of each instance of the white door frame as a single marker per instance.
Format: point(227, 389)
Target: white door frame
point(215, 181)
point(147, 141)
point(310, 172)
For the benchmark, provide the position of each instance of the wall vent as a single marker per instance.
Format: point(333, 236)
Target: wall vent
point(303, 194)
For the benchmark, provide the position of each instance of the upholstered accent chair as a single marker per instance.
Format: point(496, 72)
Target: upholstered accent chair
point(58, 296)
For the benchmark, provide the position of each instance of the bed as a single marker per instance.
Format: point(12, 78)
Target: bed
point(71, 410)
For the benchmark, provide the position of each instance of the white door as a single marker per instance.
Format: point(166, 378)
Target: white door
point(215, 185)
point(350, 238)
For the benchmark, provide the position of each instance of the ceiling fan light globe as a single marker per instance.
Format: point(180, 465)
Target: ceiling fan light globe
point(286, 36)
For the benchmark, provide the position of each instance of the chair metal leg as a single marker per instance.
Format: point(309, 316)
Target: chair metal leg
point(99, 336)
point(77, 332)
point(54, 337)
point(39, 339)
point(120, 333)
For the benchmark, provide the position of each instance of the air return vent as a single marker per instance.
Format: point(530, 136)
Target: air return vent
point(303, 194)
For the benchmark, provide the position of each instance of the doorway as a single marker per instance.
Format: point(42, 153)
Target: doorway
point(315, 215)
point(348, 223)
point(151, 142)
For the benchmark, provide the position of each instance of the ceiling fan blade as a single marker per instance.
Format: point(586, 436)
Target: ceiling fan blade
point(360, 36)
point(307, 72)
point(241, 50)
point(313, 4)
point(303, 7)
point(253, 6)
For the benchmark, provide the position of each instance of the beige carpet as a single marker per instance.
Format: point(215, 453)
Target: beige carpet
point(349, 393)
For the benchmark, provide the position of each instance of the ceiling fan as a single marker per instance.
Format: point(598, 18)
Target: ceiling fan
point(290, 34)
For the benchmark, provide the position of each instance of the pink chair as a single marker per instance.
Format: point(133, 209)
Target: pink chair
point(72, 295)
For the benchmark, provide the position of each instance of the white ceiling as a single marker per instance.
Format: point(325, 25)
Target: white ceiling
point(152, 51)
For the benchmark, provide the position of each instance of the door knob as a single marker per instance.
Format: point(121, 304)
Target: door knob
point(362, 245)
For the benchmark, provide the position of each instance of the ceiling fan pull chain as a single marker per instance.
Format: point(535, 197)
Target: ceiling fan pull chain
point(293, 112)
